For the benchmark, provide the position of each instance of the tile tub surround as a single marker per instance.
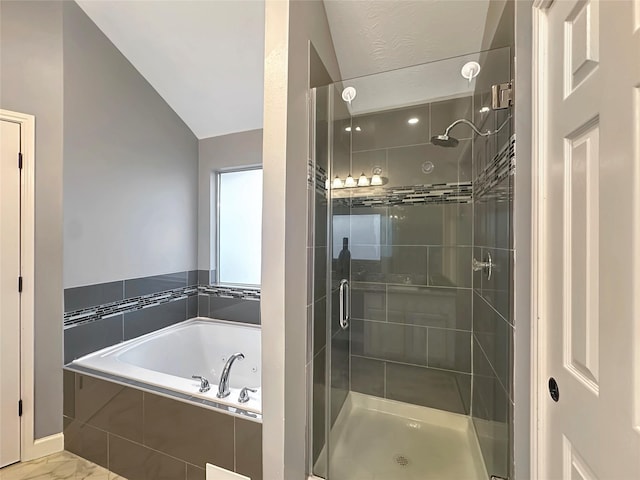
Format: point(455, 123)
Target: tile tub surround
point(165, 361)
point(59, 466)
point(101, 315)
point(143, 435)
point(232, 303)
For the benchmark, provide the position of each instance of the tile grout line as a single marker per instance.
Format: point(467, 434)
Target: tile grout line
point(395, 362)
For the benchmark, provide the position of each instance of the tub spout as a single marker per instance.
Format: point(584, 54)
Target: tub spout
point(223, 388)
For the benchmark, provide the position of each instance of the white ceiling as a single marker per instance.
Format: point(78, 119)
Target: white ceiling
point(433, 37)
point(205, 58)
point(378, 36)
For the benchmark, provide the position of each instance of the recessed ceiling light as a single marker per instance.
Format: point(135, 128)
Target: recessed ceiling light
point(484, 110)
point(413, 121)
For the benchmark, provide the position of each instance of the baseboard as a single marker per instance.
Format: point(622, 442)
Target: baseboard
point(43, 447)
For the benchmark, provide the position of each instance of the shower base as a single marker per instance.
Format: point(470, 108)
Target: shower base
point(378, 439)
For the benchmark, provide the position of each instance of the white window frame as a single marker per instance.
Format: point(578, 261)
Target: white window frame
point(218, 178)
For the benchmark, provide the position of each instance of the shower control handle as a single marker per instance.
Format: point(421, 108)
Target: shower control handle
point(204, 383)
point(345, 303)
point(487, 266)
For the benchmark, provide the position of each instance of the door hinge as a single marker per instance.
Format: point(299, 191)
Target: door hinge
point(20, 160)
point(20, 284)
point(502, 96)
point(19, 408)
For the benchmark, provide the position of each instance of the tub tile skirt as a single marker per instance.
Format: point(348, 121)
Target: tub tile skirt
point(141, 435)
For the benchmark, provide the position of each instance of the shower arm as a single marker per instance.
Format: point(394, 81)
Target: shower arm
point(474, 128)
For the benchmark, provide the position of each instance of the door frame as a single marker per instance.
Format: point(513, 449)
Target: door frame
point(538, 246)
point(30, 447)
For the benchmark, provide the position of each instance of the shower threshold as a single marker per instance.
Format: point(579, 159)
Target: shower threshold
point(379, 439)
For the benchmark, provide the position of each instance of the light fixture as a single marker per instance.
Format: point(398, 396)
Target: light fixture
point(376, 179)
point(350, 182)
point(348, 94)
point(413, 121)
point(337, 182)
point(358, 129)
point(484, 109)
point(347, 129)
point(470, 70)
point(363, 181)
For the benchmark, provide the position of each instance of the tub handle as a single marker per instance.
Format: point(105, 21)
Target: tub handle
point(204, 383)
point(244, 394)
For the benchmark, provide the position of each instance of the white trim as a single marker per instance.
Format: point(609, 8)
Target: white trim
point(30, 448)
point(538, 244)
point(43, 447)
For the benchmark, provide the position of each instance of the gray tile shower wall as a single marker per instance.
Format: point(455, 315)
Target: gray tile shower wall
point(413, 344)
point(140, 435)
point(411, 337)
point(493, 323)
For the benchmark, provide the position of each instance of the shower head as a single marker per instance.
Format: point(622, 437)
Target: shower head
point(444, 141)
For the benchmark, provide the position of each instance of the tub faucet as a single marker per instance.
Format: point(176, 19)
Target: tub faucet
point(223, 388)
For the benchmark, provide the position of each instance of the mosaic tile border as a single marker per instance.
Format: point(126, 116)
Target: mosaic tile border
point(225, 291)
point(455, 192)
point(200, 402)
point(317, 179)
point(502, 165)
point(99, 312)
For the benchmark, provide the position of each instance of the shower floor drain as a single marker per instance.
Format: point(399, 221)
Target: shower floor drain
point(401, 460)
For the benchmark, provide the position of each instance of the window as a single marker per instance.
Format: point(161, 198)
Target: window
point(239, 226)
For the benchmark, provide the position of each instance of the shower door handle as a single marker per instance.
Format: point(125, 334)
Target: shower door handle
point(345, 303)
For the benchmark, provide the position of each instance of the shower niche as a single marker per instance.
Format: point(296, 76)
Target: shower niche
point(411, 179)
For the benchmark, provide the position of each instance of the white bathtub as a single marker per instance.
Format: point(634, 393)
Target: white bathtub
point(169, 357)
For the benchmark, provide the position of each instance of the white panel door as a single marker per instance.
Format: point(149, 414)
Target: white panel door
point(9, 296)
point(590, 271)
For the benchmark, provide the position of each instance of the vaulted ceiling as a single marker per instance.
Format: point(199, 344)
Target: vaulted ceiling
point(206, 58)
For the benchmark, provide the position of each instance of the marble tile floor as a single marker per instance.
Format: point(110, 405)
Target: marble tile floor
point(59, 466)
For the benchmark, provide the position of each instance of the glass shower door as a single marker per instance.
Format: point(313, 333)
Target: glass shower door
point(409, 203)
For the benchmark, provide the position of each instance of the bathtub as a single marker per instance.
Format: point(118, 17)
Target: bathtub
point(169, 357)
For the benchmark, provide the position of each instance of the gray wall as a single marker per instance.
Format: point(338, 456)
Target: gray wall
point(235, 150)
point(32, 71)
point(522, 209)
point(130, 167)
point(290, 26)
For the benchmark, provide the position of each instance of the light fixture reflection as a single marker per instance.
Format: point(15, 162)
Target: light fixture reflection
point(484, 109)
point(358, 129)
point(363, 181)
point(347, 129)
point(413, 121)
point(350, 182)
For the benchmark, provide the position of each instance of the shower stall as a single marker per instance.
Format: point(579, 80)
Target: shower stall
point(410, 183)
